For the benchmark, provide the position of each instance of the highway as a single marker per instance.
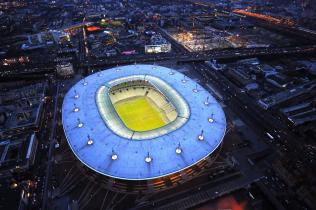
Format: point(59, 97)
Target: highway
point(218, 54)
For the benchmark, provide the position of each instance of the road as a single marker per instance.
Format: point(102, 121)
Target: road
point(50, 149)
point(218, 54)
point(260, 120)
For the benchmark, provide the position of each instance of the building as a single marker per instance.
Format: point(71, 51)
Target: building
point(21, 109)
point(287, 95)
point(65, 69)
point(158, 45)
point(17, 154)
point(154, 152)
point(45, 39)
point(279, 80)
point(300, 113)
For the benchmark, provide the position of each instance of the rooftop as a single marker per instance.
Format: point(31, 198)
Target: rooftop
point(21, 108)
point(102, 150)
point(17, 153)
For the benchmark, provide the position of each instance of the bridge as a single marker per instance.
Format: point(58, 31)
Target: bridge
point(218, 54)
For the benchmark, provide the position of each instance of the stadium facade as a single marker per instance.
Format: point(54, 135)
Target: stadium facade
point(134, 128)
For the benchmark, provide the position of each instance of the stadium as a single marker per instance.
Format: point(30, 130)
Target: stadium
point(142, 128)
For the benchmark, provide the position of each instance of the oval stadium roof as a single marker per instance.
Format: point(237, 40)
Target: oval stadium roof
point(107, 153)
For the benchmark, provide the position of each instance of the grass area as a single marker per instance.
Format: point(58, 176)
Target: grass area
point(139, 114)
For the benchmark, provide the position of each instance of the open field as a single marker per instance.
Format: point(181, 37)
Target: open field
point(140, 114)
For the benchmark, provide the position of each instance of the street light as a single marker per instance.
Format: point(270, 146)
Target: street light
point(148, 159)
point(114, 155)
point(76, 95)
point(206, 103)
point(211, 119)
point(184, 79)
point(195, 89)
point(84, 82)
point(76, 109)
point(90, 141)
point(201, 136)
point(178, 149)
point(80, 124)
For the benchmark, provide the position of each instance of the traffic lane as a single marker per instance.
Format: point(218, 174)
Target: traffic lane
point(51, 146)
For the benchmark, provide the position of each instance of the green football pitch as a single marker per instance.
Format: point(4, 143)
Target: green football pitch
point(140, 114)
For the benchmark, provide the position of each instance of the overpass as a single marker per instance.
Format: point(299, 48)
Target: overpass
point(218, 54)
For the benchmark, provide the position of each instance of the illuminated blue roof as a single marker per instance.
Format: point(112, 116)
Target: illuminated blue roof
point(107, 153)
